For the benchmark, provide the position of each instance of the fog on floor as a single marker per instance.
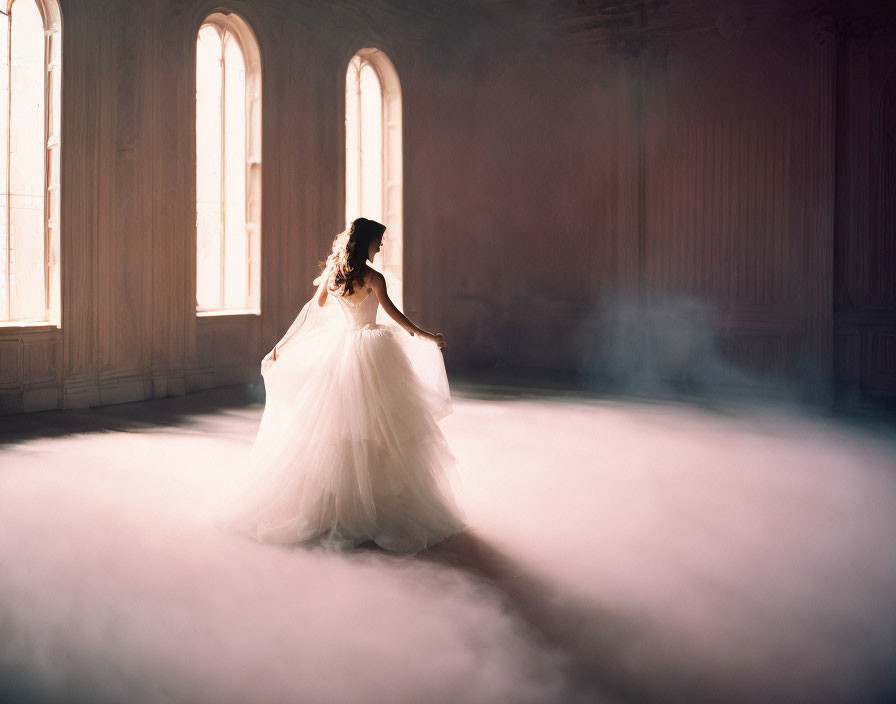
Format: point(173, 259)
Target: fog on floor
point(619, 551)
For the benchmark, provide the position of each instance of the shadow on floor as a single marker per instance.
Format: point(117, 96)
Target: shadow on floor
point(490, 385)
point(630, 656)
point(129, 417)
point(595, 641)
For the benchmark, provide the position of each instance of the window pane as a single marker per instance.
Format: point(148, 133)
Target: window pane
point(4, 199)
point(27, 164)
point(54, 123)
point(236, 246)
point(371, 144)
point(209, 228)
point(353, 141)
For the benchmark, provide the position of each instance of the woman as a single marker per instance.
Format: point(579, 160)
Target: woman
point(349, 450)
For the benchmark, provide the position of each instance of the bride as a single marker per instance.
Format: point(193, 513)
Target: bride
point(349, 450)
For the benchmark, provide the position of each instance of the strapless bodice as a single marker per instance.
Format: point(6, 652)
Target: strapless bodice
point(359, 314)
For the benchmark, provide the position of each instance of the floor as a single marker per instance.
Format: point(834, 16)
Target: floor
point(619, 551)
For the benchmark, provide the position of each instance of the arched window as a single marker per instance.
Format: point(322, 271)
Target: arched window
point(228, 166)
point(373, 185)
point(30, 89)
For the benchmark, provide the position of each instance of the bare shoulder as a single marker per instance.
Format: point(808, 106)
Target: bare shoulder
point(374, 279)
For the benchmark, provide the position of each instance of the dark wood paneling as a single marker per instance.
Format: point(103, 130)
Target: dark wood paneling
point(865, 243)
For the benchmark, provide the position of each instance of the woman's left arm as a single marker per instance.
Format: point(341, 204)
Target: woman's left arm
point(378, 284)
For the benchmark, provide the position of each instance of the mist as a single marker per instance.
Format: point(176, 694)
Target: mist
point(673, 348)
point(619, 551)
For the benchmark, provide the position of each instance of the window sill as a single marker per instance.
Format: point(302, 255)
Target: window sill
point(230, 312)
point(7, 327)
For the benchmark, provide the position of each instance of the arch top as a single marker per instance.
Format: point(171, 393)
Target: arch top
point(229, 21)
point(49, 11)
point(384, 68)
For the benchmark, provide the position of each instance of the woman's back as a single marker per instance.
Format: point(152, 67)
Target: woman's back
point(359, 310)
point(360, 290)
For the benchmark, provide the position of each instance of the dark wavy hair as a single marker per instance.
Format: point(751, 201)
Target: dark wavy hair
point(346, 264)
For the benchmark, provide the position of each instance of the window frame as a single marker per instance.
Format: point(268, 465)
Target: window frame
point(51, 18)
point(392, 158)
point(231, 26)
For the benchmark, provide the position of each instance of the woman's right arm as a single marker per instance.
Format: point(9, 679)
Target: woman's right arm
point(378, 284)
point(322, 289)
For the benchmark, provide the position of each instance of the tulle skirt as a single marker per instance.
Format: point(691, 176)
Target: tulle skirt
point(349, 449)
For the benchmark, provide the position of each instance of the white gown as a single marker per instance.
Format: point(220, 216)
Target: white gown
point(349, 449)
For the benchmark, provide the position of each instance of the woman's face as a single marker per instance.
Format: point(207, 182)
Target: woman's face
point(375, 246)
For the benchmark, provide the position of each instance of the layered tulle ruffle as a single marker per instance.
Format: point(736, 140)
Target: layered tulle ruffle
point(349, 449)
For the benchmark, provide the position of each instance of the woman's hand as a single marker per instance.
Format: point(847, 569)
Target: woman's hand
point(439, 339)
